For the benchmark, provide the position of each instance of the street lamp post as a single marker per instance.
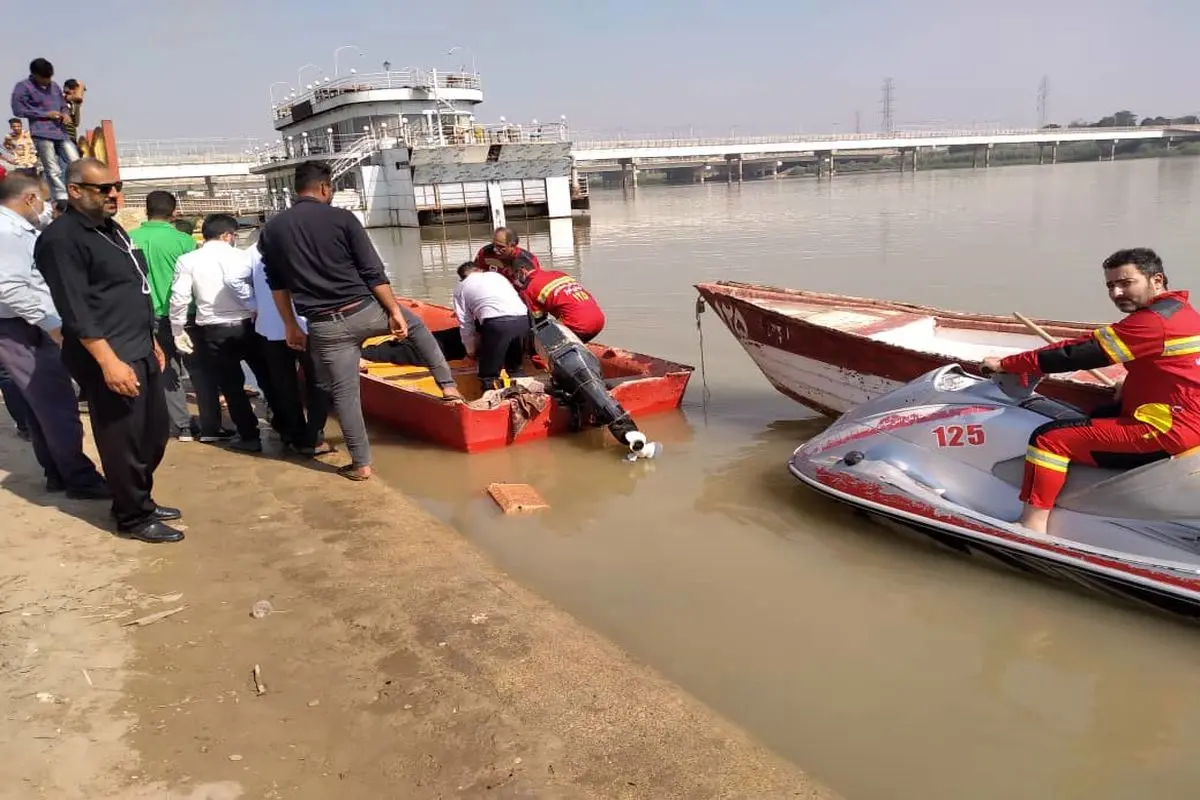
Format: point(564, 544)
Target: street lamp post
point(271, 90)
point(458, 47)
point(336, 52)
point(300, 74)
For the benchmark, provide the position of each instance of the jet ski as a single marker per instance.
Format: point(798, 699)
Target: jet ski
point(944, 455)
point(577, 381)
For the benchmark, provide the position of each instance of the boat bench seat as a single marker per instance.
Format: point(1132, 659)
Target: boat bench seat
point(420, 379)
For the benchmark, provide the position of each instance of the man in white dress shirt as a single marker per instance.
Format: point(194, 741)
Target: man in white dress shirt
point(224, 326)
point(305, 436)
point(493, 322)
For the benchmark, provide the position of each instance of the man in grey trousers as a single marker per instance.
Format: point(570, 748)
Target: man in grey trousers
point(30, 335)
point(320, 264)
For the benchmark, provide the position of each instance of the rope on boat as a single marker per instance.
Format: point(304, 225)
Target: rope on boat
point(700, 307)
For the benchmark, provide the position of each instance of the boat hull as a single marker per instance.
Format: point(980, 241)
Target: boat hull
point(642, 384)
point(1104, 576)
point(833, 367)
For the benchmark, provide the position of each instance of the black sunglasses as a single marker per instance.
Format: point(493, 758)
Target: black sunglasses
point(104, 188)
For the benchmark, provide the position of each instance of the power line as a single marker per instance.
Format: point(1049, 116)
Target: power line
point(889, 98)
point(1043, 101)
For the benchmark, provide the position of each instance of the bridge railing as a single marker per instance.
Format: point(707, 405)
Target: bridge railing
point(159, 152)
point(806, 138)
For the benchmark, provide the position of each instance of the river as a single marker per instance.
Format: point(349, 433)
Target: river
point(887, 668)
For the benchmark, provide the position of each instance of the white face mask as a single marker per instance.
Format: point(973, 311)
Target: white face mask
point(46, 217)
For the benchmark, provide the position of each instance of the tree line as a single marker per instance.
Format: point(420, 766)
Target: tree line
point(1127, 119)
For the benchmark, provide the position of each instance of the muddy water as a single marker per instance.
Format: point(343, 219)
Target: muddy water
point(887, 668)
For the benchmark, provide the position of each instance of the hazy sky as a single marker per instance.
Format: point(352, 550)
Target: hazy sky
point(176, 69)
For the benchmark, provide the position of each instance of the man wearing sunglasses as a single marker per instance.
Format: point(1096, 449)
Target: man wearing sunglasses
point(101, 289)
point(502, 252)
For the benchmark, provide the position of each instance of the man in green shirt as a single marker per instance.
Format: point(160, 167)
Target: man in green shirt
point(161, 244)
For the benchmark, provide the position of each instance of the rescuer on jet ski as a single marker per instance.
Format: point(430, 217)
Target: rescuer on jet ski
point(1159, 411)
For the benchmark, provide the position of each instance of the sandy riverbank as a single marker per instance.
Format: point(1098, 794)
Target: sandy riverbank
point(398, 663)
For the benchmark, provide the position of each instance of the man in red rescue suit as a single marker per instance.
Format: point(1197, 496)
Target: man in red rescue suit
point(547, 291)
point(1159, 415)
point(499, 255)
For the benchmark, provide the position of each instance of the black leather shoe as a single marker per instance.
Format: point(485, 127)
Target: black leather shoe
point(246, 445)
point(153, 532)
point(166, 513)
point(98, 491)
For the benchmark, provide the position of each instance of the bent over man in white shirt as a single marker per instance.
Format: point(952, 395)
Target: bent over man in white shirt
point(302, 433)
point(224, 326)
point(493, 322)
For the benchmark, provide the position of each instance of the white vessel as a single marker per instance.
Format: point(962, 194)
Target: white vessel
point(406, 150)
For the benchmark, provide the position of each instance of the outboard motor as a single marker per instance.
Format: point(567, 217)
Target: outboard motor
point(578, 380)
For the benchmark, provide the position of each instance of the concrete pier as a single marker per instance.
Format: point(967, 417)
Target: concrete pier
point(825, 164)
point(986, 149)
point(629, 174)
point(733, 168)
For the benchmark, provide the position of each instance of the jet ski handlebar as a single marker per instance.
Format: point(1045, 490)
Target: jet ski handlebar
point(1011, 384)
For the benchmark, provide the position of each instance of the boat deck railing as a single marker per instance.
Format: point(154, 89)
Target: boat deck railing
point(329, 88)
point(329, 144)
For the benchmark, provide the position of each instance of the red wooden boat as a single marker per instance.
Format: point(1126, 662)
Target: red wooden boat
point(832, 352)
point(407, 399)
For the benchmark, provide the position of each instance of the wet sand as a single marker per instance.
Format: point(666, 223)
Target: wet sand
point(397, 663)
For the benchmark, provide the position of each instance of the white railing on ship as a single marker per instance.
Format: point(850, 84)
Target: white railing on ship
point(384, 135)
point(327, 88)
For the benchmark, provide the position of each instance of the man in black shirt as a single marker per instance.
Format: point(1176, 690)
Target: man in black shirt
point(321, 259)
point(102, 294)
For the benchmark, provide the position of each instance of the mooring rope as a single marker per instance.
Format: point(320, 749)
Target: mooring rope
point(706, 394)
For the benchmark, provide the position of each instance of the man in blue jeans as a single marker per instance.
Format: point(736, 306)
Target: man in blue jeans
point(40, 100)
point(321, 265)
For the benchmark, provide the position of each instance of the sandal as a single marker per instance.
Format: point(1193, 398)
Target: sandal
point(348, 472)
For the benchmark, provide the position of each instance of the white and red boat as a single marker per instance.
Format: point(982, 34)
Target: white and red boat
point(923, 443)
point(833, 352)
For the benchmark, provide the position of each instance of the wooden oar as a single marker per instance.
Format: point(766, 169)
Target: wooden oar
point(1040, 331)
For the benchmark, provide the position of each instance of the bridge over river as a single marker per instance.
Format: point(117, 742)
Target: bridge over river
point(170, 161)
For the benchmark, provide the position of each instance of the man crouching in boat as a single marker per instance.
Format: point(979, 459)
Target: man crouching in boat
point(499, 255)
point(1159, 411)
point(492, 321)
point(547, 291)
